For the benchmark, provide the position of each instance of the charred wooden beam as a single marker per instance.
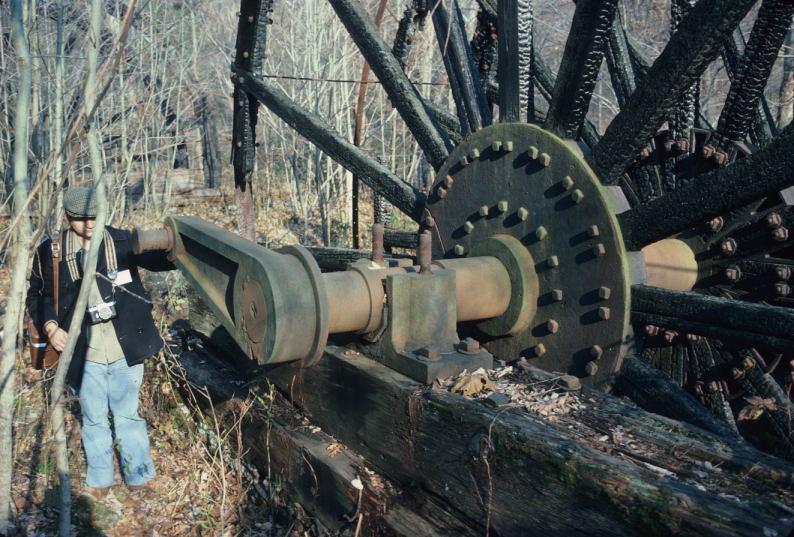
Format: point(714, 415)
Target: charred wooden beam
point(581, 61)
point(757, 324)
point(399, 88)
point(333, 259)
point(514, 26)
point(377, 176)
point(467, 91)
point(484, 50)
point(621, 68)
point(250, 47)
point(655, 392)
point(401, 239)
point(697, 43)
point(752, 73)
point(479, 463)
point(712, 194)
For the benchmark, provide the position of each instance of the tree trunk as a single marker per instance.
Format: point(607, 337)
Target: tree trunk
point(59, 382)
point(21, 247)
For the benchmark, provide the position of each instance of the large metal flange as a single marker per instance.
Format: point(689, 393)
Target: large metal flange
point(519, 180)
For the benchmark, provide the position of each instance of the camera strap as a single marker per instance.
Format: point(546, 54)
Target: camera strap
point(74, 260)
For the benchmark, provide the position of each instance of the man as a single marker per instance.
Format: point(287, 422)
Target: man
point(118, 334)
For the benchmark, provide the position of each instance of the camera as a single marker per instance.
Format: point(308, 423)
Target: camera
point(102, 312)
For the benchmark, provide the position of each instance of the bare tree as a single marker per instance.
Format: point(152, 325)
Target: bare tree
point(21, 244)
point(97, 168)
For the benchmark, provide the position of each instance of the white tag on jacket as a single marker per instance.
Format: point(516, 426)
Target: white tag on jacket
point(124, 277)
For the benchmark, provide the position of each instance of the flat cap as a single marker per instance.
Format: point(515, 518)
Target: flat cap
point(80, 202)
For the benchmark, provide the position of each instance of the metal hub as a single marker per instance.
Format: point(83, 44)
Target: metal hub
point(520, 180)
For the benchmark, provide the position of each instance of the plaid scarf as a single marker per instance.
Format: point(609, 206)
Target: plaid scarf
point(74, 247)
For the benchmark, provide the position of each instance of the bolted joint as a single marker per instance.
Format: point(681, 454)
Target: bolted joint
point(782, 289)
point(733, 273)
point(469, 346)
point(670, 335)
point(729, 246)
point(773, 220)
point(780, 234)
point(716, 224)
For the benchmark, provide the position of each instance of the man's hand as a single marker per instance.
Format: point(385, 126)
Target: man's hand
point(57, 336)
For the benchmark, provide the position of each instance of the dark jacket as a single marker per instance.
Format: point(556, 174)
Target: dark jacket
point(135, 329)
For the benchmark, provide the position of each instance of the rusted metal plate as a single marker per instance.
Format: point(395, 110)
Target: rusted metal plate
point(519, 180)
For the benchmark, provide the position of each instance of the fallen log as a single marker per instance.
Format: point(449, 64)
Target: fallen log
point(604, 467)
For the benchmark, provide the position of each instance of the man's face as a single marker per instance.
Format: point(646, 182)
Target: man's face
point(84, 227)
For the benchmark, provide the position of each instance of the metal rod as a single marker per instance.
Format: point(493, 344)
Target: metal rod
point(424, 253)
point(377, 244)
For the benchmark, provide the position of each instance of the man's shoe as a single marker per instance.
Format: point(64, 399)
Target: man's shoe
point(96, 493)
point(144, 487)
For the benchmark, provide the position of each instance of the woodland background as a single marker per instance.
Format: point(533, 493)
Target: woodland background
point(164, 133)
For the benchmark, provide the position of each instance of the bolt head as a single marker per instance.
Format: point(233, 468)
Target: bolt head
point(431, 352)
point(593, 231)
point(780, 234)
point(651, 330)
point(483, 211)
point(591, 368)
point(670, 335)
point(502, 206)
point(508, 145)
point(474, 154)
point(449, 181)
point(604, 313)
point(441, 192)
point(468, 227)
point(545, 159)
point(245, 54)
point(715, 224)
point(567, 182)
point(541, 233)
point(496, 145)
point(522, 214)
point(570, 382)
point(459, 249)
point(737, 373)
point(553, 261)
point(596, 351)
point(577, 196)
point(469, 345)
point(694, 338)
point(773, 220)
point(557, 295)
point(539, 350)
point(782, 289)
point(533, 152)
point(552, 326)
point(250, 18)
point(604, 293)
point(599, 250)
point(748, 363)
point(728, 246)
point(733, 273)
point(783, 272)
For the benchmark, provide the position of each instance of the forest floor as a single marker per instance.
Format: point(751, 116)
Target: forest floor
point(203, 486)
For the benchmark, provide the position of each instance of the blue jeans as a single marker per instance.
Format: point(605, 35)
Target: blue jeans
point(114, 388)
